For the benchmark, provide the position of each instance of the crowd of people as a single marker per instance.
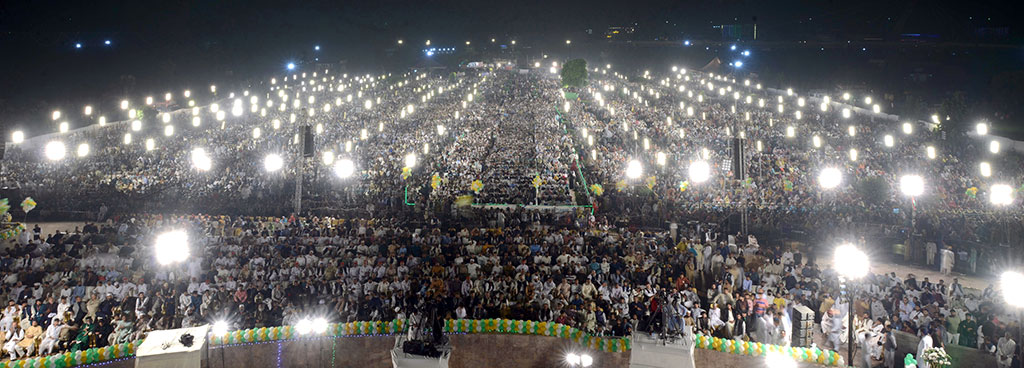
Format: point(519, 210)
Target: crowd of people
point(99, 284)
point(398, 238)
point(692, 116)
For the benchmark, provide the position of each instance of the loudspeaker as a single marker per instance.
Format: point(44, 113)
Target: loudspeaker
point(307, 142)
point(739, 171)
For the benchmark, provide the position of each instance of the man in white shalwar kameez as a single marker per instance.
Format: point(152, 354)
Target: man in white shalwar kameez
point(946, 260)
point(924, 344)
point(1004, 351)
point(835, 329)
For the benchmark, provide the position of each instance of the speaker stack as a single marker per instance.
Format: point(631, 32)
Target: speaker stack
point(803, 326)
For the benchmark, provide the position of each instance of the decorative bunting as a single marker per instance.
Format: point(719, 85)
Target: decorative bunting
point(810, 355)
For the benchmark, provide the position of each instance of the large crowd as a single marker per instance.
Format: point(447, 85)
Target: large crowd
point(98, 285)
point(398, 238)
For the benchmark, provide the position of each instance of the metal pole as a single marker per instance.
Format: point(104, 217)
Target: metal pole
point(299, 168)
point(849, 328)
point(913, 228)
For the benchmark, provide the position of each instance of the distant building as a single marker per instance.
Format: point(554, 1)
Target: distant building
point(614, 33)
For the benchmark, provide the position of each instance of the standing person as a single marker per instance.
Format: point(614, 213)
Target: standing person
point(890, 348)
point(1004, 351)
point(835, 331)
point(924, 344)
point(946, 261)
point(930, 250)
point(952, 328)
point(968, 332)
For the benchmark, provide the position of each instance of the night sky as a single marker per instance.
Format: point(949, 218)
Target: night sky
point(172, 45)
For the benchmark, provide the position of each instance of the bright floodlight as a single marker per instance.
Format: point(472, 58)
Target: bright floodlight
point(273, 162)
point(700, 171)
point(634, 169)
point(410, 160)
point(993, 146)
point(573, 359)
point(171, 247)
point(83, 150)
point(908, 128)
point(586, 360)
point(344, 168)
point(220, 328)
point(291, 66)
point(304, 327)
point(1000, 194)
point(200, 160)
point(981, 129)
point(778, 360)
point(850, 262)
point(320, 325)
point(54, 150)
point(1010, 282)
point(830, 177)
point(986, 169)
point(18, 136)
point(912, 185)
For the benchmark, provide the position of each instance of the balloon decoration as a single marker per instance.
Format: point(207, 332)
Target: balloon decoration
point(810, 355)
point(597, 189)
point(476, 186)
point(12, 231)
point(28, 204)
point(620, 185)
point(487, 326)
point(435, 181)
point(406, 173)
point(81, 357)
point(537, 181)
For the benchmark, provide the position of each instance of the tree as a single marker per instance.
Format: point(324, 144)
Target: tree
point(873, 189)
point(574, 73)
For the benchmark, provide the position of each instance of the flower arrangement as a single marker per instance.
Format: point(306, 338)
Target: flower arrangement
point(936, 357)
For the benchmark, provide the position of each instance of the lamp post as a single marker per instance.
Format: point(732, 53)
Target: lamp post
point(851, 264)
point(911, 186)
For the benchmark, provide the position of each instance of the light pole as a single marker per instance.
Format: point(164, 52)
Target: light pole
point(851, 264)
point(911, 186)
